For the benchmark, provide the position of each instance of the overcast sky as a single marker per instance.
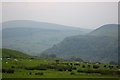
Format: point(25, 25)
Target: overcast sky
point(77, 14)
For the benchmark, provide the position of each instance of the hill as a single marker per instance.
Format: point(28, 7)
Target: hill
point(13, 53)
point(33, 37)
point(100, 45)
point(110, 30)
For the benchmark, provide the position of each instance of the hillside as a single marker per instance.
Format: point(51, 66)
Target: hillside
point(110, 30)
point(101, 45)
point(13, 53)
point(33, 37)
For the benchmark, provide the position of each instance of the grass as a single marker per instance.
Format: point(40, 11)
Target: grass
point(13, 53)
point(20, 72)
point(25, 66)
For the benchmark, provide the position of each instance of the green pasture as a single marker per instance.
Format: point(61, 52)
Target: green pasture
point(19, 65)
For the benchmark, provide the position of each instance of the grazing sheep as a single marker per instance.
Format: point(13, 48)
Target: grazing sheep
point(30, 60)
point(118, 69)
point(0, 58)
point(8, 58)
point(6, 62)
point(15, 60)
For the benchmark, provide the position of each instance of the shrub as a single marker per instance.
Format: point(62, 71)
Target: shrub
point(72, 73)
point(60, 69)
point(107, 72)
point(12, 66)
point(8, 71)
point(3, 70)
point(83, 66)
point(105, 66)
point(89, 71)
point(110, 67)
point(80, 71)
point(30, 73)
point(41, 67)
point(88, 66)
point(70, 70)
point(117, 66)
point(74, 68)
point(95, 66)
point(51, 67)
point(40, 73)
point(77, 64)
point(71, 63)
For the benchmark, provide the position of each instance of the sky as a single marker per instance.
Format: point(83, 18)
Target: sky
point(89, 15)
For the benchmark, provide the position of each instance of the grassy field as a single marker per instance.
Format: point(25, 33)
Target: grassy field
point(22, 69)
point(18, 65)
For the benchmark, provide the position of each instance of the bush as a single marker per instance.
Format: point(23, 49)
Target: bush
point(117, 66)
point(83, 66)
point(41, 67)
point(107, 72)
point(105, 66)
point(80, 71)
point(74, 68)
point(7, 71)
point(40, 73)
point(96, 66)
point(30, 73)
point(89, 71)
point(70, 70)
point(71, 63)
point(110, 67)
point(12, 66)
point(77, 64)
point(88, 66)
point(72, 73)
point(10, 71)
point(60, 70)
point(3, 70)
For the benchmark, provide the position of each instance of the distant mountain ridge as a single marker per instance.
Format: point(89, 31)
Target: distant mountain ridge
point(34, 37)
point(37, 24)
point(100, 45)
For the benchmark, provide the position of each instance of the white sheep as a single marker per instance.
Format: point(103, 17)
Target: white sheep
point(15, 60)
point(30, 60)
point(8, 58)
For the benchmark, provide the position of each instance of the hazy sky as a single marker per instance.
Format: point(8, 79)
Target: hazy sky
point(78, 14)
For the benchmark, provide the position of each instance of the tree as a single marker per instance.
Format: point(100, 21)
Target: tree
point(57, 61)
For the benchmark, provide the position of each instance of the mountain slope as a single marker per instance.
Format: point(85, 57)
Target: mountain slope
point(34, 37)
point(99, 45)
point(13, 53)
point(106, 30)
